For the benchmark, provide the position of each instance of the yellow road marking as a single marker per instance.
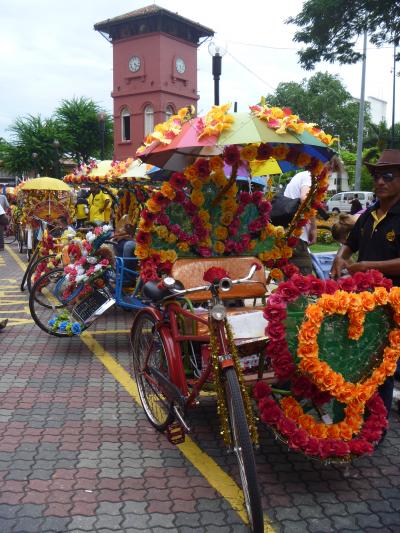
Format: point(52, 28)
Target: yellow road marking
point(19, 321)
point(12, 302)
point(9, 293)
point(208, 468)
point(217, 478)
point(12, 281)
point(14, 311)
point(19, 261)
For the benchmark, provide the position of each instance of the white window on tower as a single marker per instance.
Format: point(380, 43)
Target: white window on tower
point(169, 111)
point(148, 120)
point(125, 125)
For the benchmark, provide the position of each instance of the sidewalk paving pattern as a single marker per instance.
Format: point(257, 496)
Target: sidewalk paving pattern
point(77, 454)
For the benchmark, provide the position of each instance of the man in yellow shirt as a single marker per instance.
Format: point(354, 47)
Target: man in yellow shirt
point(98, 203)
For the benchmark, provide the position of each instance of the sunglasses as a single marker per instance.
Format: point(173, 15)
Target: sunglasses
point(387, 177)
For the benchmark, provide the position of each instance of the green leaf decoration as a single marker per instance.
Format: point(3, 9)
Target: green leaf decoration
point(355, 360)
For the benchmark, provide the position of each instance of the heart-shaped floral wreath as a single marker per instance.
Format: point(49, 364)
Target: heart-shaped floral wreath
point(315, 380)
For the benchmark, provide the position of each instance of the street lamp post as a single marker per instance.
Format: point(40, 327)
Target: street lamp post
point(102, 125)
point(34, 159)
point(217, 52)
point(56, 144)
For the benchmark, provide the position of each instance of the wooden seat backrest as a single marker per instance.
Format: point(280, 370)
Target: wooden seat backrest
point(190, 272)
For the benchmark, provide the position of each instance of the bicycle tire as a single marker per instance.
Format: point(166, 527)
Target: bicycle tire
point(243, 448)
point(40, 313)
point(144, 339)
point(20, 239)
point(11, 237)
point(27, 270)
point(34, 267)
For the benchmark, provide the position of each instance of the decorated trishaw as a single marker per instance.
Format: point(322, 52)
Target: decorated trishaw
point(221, 306)
point(91, 276)
point(44, 207)
point(207, 253)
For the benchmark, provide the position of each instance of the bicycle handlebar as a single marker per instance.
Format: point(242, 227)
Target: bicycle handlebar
point(246, 279)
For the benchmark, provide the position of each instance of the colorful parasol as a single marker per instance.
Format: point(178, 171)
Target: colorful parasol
point(177, 142)
point(45, 184)
point(112, 172)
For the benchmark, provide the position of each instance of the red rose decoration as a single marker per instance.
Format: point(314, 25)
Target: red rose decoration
point(298, 440)
point(261, 389)
point(347, 284)
point(301, 282)
point(231, 155)
point(289, 291)
point(301, 386)
point(360, 447)
point(215, 274)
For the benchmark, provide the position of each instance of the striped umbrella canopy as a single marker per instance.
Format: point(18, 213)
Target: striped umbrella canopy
point(182, 149)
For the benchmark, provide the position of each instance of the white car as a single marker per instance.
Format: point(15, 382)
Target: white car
point(341, 202)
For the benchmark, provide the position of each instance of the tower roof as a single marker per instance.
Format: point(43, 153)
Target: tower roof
point(151, 19)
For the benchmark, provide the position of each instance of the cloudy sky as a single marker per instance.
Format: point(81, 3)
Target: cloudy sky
point(49, 52)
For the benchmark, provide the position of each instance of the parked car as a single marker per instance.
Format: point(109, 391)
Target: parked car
point(341, 202)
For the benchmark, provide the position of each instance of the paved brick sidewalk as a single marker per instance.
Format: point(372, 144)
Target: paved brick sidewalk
point(78, 455)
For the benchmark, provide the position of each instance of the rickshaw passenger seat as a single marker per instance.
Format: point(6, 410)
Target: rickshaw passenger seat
point(154, 292)
point(190, 273)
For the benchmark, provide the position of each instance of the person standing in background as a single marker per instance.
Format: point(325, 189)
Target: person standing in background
point(376, 237)
point(3, 223)
point(81, 210)
point(355, 205)
point(98, 203)
point(298, 187)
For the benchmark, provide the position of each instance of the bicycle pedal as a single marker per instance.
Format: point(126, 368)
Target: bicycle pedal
point(175, 433)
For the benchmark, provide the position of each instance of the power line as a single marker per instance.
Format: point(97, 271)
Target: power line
point(257, 45)
point(251, 71)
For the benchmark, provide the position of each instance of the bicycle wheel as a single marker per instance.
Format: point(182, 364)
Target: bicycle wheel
point(20, 239)
point(10, 234)
point(45, 301)
point(28, 269)
point(243, 449)
point(39, 268)
point(149, 352)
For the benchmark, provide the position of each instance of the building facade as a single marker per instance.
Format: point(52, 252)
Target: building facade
point(154, 71)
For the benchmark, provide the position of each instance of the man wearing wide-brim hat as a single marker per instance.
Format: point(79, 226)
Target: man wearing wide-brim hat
point(376, 235)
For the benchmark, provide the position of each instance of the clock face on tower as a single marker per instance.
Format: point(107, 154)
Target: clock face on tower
point(134, 63)
point(180, 65)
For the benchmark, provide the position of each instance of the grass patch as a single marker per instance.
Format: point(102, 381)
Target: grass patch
point(332, 247)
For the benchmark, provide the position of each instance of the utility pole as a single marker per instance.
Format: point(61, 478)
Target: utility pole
point(357, 183)
point(394, 94)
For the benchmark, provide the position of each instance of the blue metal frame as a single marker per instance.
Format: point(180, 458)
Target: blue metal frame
point(322, 263)
point(124, 300)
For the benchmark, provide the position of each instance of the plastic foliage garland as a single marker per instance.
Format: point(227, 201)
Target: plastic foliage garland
point(219, 389)
point(314, 380)
point(62, 323)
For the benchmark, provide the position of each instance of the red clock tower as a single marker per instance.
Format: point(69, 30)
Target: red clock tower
point(155, 70)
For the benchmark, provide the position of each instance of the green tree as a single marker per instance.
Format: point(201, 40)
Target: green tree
point(322, 99)
point(329, 28)
point(377, 135)
point(349, 160)
point(79, 118)
point(36, 146)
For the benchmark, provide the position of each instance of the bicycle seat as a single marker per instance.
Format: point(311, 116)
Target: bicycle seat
point(152, 291)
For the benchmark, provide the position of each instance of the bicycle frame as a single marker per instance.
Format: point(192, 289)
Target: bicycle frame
point(167, 320)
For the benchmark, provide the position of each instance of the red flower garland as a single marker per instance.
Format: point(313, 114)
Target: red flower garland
point(299, 440)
